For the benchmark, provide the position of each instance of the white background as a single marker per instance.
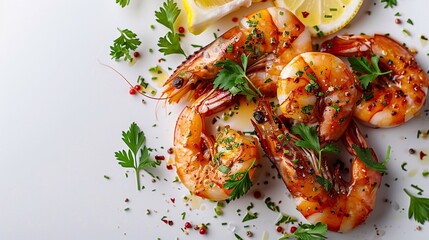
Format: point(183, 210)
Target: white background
point(62, 113)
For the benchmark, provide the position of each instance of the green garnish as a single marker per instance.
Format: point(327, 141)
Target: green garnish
point(365, 155)
point(286, 219)
point(240, 183)
point(389, 3)
point(125, 43)
point(308, 232)
point(271, 205)
point(368, 71)
point(123, 3)
point(310, 140)
point(167, 15)
point(327, 185)
point(134, 138)
point(419, 208)
point(232, 77)
point(250, 216)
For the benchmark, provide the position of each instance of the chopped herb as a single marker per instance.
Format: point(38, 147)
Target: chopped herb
point(409, 21)
point(124, 44)
point(167, 15)
point(307, 109)
point(240, 183)
point(183, 215)
point(224, 169)
point(106, 177)
point(286, 219)
point(419, 208)
point(406, 32)
point(327, 185)
point(123, 3)
point(232, 77)
point(425, 173)
point(418, 189)
point(369, 71)
point(397, 14)
point(365, 155)
point(308, 231)
point(134, 138)
point(250, 216)
point(271, 205)
point(389, 3)
point(237, 236)
point(310, 140)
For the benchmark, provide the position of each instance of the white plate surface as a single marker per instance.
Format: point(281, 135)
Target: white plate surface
point(62, 114)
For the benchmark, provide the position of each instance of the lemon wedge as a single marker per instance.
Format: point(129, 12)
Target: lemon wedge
point(322, 16)
point(202, 13)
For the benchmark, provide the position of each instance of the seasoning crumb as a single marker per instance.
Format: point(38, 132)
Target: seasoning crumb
point(147, 212)
point(127, 200)
point(249, 234)
point(411, 151)
point(419, 228)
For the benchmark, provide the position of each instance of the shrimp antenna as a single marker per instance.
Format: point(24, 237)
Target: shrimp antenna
point(126, 80)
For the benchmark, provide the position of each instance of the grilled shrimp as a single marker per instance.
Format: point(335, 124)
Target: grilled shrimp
point(204, 163)
point(346, 204)
point(392, 99)
point(318, 88)
point(270, 38)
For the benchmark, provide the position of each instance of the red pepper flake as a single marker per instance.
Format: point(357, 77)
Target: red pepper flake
point(136, 54)
point(169, 167)
point(398, 21)
point(279, 229)
point(422, 155)
point(159, 157)
point(257, 194)
point(202, 230)
point(137, 87)
point(181, 30)
point(132, 91)
point(172, 200)
point(170, 151)
point(305, 14)
point(293, 229)
point(188, 225)
point(170, 222)
point(235, 19)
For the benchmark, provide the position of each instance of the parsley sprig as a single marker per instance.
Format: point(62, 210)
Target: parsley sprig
point(123, 3)
point(239, 182)
point(365, 154)
point(308, 232)
point(368, 72)
point(135, 139)
point(311, 141)
point(167, 15)
point(232, 77)
point(419, 208)
point(125, 43)
point(389, 3)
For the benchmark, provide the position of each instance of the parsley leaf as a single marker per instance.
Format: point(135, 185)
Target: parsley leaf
point(232, 77)
point(170, 44)
point(125, 43)
point(250, 216)
point(167, 15)
point(327, 185)
point(365, 155)
point(123, 3)
point(134, 138)
point(239, 182)
point(389, 3)
point(419, 208)
point(310, 140)
point(308, 232)
point(286, 219)
point(368, 71)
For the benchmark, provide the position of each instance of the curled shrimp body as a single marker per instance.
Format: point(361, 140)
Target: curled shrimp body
point(346, 204)
point(318, 88)
point(270, 38)
point(391, 99)
point(204, 163)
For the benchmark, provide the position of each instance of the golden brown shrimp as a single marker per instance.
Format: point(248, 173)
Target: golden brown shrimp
point(346, 204)
point(392, 99)
point(270, 38)
point(204, 163)
point(318, 88)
